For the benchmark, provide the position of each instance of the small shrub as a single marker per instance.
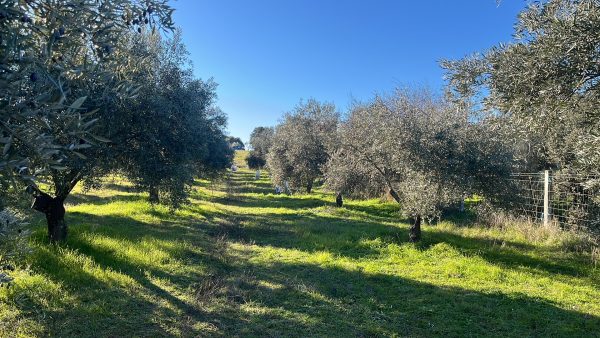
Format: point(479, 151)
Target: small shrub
point(13, 242)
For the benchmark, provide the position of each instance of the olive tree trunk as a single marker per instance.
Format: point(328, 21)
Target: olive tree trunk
point(54, 209)
point(55, 217)
point(153, 195)
point(415, 230)
point(339, 200)
point(309, 187)
point(394, 194)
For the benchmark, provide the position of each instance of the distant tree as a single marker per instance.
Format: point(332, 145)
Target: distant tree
point(261, 139)
point(545, 84)
point(419, 149)
point(255, 161)
point(301, 144)
point(235, 143)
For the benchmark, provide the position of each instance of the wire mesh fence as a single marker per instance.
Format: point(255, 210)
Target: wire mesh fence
point(572, 200)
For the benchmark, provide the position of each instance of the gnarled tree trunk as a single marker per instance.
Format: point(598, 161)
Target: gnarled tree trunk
point(55, 217)
point(415, 230)
point(394, 194)
point(53, 208)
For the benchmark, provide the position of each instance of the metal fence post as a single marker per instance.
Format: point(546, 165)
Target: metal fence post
point(546, 196)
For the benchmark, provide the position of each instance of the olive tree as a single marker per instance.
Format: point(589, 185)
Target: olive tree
point(419, 149)
point(65, 69)
point(300, 145)
point(235, 143)
point(173, 129)
point(255, 160)
point(261, 139)
point(544, 83)
point(162, 137)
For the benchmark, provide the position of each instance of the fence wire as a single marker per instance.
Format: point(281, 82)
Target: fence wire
point(573, 202)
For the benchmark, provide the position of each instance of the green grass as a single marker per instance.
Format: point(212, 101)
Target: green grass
point(250, 263)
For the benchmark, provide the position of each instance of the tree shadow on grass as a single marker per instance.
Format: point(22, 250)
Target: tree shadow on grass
point(510, 255)
point(384, 305)
point(264, 189)
point(102, 301)
point(306, 300)
point(309, 299)
point(340, 234)
point(384, 211)
point(273, 201)
point(350, 238)
point(121, 187)
point(95, 274)
point(122, 315)
point(75, 199)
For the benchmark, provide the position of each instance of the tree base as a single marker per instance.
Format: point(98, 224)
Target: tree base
point(54, 210)
point(339, 200)
point(414, 234)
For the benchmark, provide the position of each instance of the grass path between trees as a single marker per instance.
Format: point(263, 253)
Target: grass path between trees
point(240, 261)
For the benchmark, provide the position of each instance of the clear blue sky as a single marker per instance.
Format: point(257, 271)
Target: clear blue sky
point(266, 55)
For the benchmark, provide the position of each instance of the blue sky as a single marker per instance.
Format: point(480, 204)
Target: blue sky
point(266, 55)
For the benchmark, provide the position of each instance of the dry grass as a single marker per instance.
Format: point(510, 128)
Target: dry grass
point(552, 234)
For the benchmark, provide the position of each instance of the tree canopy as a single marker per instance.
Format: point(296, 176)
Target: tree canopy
point(235, 143)
point(300, 145)
point(261, 139)
point(171, 131)
point(544, 84)
point(60, 61)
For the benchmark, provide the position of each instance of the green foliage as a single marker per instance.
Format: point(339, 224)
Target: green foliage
point(14, 236)
point(300, 145)
point(122, 98)
point(261, 139)
point(235, 143)
point(54, 56)
point(544, 84)
point(65, 67)
point(171, 131)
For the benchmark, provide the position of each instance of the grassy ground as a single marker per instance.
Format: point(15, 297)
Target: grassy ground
point(240, 261)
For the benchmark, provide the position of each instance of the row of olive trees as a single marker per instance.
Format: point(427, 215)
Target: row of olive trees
point(94, 87)
point(421, 150)
point(302, 144)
